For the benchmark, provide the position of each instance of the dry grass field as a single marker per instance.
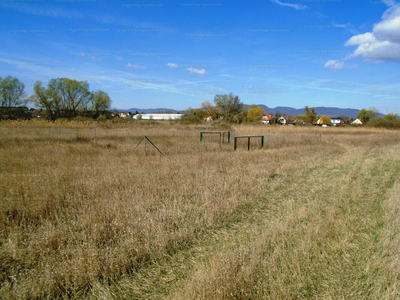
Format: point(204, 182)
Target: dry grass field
point(84, 215)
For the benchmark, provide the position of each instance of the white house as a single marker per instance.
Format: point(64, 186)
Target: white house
point(158, 117)
point(125, 115)
point(337, 121)
point(356, 122)
point(282, 120)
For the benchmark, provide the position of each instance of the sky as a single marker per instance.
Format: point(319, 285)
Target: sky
point(180, 53)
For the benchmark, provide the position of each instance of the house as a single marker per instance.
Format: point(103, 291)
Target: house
point(283, 120)
point(158, 117)
point(356, 122)
point(125, 115)
point(337, 121)
point(266, 119)
point(209, 119)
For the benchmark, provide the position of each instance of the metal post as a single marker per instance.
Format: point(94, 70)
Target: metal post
point(201, 136)
point(235, 144)
point(262, 142)
point(145, 138)
point(248, 143)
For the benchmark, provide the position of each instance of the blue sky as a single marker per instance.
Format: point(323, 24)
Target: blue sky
point(178, 54)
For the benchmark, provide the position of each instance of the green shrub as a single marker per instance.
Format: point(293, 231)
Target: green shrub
point(193, 119)
point(83, 119)
point(222, 125)
point(380, 122)
point(102, 118)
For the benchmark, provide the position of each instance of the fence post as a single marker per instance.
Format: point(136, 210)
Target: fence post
point(248, 143)
point(145, 138)
point(235, 144)
point(262, 142)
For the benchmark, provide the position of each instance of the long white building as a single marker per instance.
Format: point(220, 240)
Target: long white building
point(158, 117)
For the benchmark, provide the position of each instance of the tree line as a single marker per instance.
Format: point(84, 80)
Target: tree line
point(69, 98)
point(62, 98)
point(228, 107)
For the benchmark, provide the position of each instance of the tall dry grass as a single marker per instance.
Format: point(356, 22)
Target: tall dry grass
point(328, 233)
point(83, 208)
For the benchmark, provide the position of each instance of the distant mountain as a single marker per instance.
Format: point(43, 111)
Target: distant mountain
point(333, 112)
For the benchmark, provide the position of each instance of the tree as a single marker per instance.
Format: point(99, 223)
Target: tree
point(68, 98)
point(12, 95)
point(211, 110)
point(300, 119)
point(230, 105)
point(100, 103)
point(346, 119)
point(392, 117)
point(365, 115)
point(255, 113)
point(11, 92)
point(326, 120)
point(311, 115)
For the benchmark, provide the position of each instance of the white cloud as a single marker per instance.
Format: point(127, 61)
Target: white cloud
point(197, 72)
point(135, 66)
point(334, 65)
point(173, 66)
point(365, 38)
point(118, 57)
point(295, 6)
point(383, 43)
point(389, 27)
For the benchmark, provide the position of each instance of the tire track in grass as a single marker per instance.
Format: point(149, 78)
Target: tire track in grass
point(321, 241)
point(316, 234)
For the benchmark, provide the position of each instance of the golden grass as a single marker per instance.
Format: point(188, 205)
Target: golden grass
point(85, 215)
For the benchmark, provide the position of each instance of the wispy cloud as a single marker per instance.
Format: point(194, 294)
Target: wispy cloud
point(334, 65)
point(197, 72)
point(389, 2)
point(44, 12)
point(295, 6)
point(173, 66)
point(129, 65)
